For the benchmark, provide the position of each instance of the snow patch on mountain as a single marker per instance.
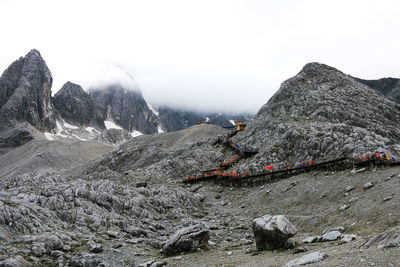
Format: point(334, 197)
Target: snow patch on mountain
point(70, 126)
point(111, 125)
point(136, 133)
point(152, 109)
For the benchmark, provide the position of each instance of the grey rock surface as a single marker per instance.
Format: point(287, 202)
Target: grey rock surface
point(76, 107)
point(187, 239)
point(309, 258)
point(331, 236)
point(272, 232)
point(114, 136)
point(172, 155)
point(387, 239)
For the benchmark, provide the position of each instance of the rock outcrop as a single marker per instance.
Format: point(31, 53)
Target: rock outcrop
point(126, 107)
point(322, 113)
point(272, 232)
point(187, 239)
point(25, 97)
point(76, 107)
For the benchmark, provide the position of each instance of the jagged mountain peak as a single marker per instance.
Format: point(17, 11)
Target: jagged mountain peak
point(126, 107)
point(25, 96)
point(77, 107)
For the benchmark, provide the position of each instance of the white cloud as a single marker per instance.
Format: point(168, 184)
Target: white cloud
point(215, 55)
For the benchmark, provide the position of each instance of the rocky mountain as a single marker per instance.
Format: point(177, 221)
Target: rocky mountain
point(126, 107)
point(323, 113)
point(126, 204)
point(76, 107)
point(390, 87)
point(25, 100)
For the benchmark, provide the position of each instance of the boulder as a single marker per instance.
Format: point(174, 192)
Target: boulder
point(187, 239)
point(368, 185)
point(331, 236)
point(272, 232)
point(307, 259)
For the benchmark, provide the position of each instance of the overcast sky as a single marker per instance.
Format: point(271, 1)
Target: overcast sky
point(210, 55)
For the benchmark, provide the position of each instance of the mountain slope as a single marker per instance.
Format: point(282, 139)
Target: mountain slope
point(76, 107)
point(162, 156)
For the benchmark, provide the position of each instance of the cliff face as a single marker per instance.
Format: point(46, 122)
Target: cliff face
point(125, 107)
point(76, 107)
point(323, 113)
point(25, 97)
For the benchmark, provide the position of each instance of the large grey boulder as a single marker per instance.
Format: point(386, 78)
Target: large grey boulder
point(272, 232)
point(187, 239)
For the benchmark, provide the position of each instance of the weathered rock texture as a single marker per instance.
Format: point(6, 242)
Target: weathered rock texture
point(114, 136)
point(164, 156)
point(25, 96)
point(76, 107)
point(272, 232)
point(126, 107)
point(322, 113)
point(187, 239)
point(54, 214)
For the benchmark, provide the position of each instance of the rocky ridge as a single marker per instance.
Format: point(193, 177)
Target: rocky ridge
point(322, 113)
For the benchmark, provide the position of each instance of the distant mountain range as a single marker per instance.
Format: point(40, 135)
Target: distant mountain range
point(28, 109)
